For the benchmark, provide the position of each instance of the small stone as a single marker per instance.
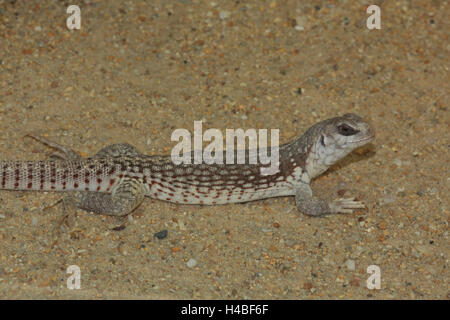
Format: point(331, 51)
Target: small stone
point(423, 249)
point(350, 264)
point(224, 14)
point(119, 228)
point(191, 263)
point(382, 225)
point(161, 234)
point(290, 242)
point(37, 28)
point(388, 198)
point(354, 282)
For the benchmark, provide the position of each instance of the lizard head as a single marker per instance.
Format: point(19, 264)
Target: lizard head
point(334, 138)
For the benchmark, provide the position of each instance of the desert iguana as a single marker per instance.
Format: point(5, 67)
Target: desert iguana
point(116, 180)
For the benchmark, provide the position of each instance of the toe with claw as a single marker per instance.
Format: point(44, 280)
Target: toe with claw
point(345, 205)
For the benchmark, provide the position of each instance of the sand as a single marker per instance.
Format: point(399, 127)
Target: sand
point(136, 71)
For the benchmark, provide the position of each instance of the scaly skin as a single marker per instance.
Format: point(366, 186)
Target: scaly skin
point(116, 180)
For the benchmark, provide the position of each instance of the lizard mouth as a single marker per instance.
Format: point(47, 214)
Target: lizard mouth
point(365, 139)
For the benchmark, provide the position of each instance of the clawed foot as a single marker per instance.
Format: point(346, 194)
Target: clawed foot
point(347, 205)
point(69, 212)
point(62, 153)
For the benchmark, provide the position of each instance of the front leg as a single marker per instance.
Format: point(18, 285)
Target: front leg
point(319, 207)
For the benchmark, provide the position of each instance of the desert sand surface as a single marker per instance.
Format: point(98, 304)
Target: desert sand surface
point(136, 71)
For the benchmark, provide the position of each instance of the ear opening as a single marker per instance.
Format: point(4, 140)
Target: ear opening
point(322, 140)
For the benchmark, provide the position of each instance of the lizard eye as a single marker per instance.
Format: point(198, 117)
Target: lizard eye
point(346, 130)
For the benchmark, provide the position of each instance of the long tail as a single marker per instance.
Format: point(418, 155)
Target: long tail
point(50, 175)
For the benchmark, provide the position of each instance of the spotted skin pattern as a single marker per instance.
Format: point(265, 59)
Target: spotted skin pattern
point(116, 180)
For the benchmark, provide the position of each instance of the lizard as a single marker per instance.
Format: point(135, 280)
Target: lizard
point(116, 180)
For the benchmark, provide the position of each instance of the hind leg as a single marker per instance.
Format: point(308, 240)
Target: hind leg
point(63, 152)
point(124, 198)
point(117, 150)
point(68, 201)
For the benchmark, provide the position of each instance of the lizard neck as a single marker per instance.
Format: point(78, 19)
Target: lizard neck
point(293, 160)
point(303, 158)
